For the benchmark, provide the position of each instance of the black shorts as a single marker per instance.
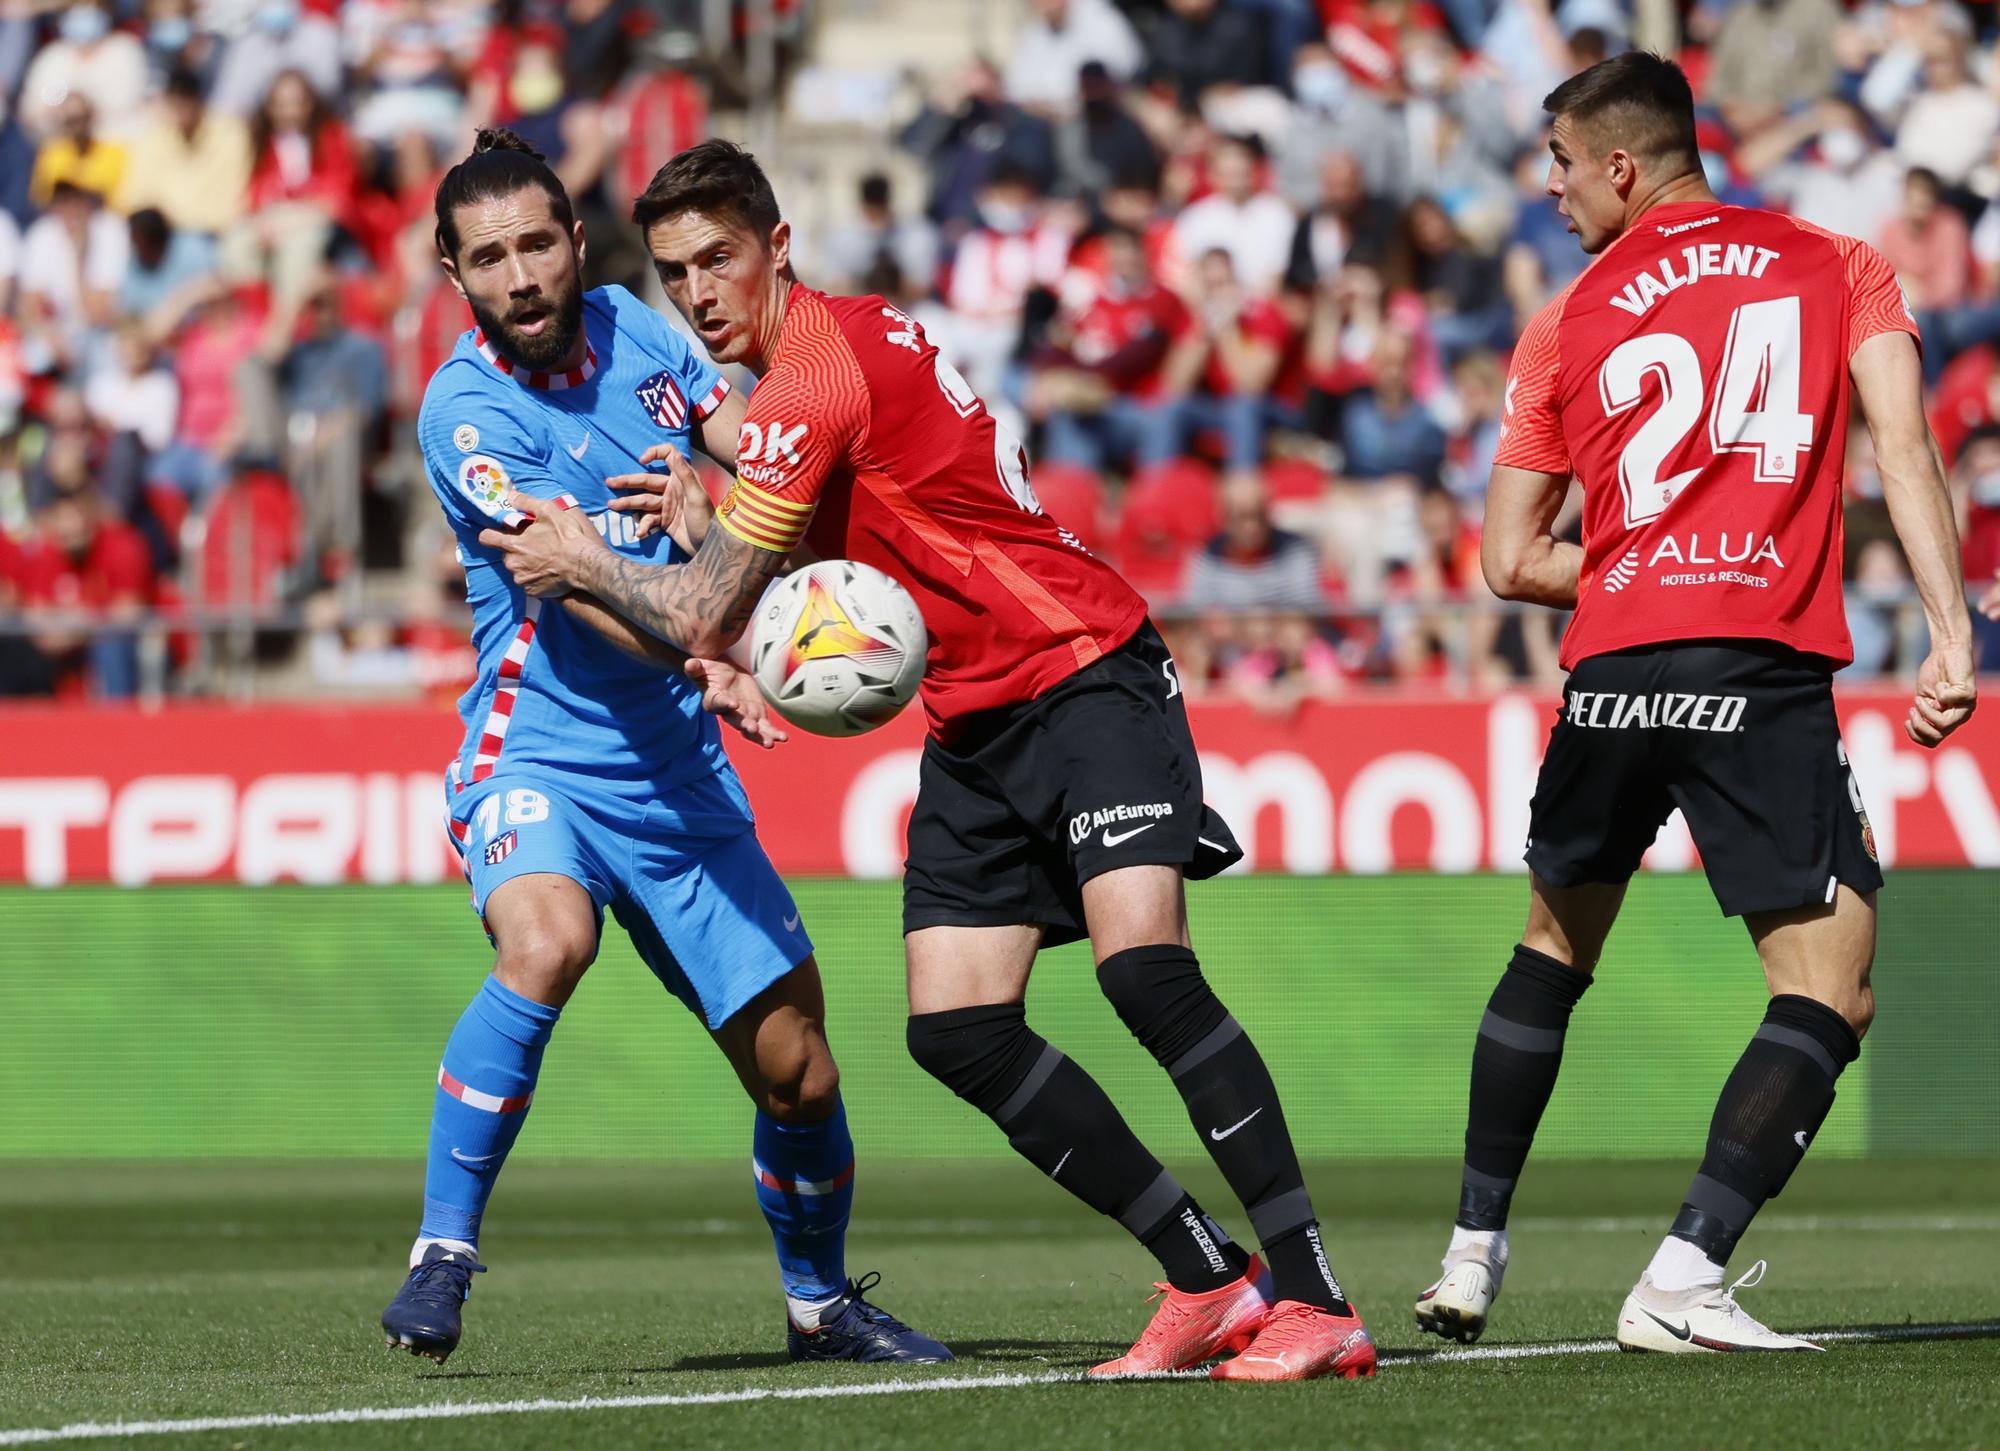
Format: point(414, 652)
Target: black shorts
point(1029, 802)
point(1742, 737)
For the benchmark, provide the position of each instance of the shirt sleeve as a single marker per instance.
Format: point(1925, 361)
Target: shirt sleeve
point(474, 453)
point(1875, 300)
point(1530, 427)
point(804, 421)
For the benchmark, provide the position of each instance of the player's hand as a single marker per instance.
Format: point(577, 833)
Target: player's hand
point(1945, 695)
point(542, 554)
point(674, 501)
point(1989, 603)
point(731, 694)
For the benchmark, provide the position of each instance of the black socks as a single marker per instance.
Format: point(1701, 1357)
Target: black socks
point(1514, 1067)
point(1163, 998)
point(1059, 1119)
point(1776, 1098)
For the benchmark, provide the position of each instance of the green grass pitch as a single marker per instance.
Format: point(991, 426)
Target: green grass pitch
point(147, 1292)
point(213, 1105)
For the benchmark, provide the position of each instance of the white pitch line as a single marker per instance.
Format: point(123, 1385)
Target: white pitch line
point(459, 1410)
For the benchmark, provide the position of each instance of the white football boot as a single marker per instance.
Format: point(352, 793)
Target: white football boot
point(1696, 1322)
point(1456, 1306)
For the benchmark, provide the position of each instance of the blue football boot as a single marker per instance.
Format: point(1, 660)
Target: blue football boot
point(857, 1330)
point(424, 1317)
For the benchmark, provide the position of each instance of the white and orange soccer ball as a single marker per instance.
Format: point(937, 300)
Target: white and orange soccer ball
point(838, 647)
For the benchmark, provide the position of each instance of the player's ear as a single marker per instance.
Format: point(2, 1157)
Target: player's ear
point(1624, 171)
point(576, 240)
point(450, 265)
point(781, 248)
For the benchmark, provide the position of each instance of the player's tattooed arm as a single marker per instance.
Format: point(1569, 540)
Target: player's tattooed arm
point(1518, 551)
point(703, 604)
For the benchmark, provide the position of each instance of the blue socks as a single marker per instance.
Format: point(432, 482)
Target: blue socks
point(805, 1186)
point(485, 1084)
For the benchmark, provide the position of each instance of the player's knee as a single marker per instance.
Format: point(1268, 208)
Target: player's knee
point(1161, 995)
point(545, 961)
point(802, 1085)
point(980, 1053)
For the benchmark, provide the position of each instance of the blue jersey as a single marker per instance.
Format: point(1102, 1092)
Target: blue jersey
point(552, 693)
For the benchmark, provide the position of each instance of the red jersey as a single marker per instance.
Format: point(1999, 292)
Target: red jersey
point(116, 569)
point(867, 444)
point(1694, 378)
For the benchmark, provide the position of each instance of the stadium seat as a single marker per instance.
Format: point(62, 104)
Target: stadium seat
point(1168, 512)
point(1293, 480)
point(251, 542)
point(1074, 497)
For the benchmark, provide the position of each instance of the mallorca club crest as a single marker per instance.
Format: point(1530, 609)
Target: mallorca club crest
point(663, 401)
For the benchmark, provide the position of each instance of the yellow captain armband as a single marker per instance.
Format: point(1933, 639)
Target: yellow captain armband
point(763, 519)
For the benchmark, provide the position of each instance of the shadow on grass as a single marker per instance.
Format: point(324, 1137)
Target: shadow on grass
point(1054, 1354)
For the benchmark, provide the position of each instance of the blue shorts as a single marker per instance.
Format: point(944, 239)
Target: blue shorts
point(683, 873)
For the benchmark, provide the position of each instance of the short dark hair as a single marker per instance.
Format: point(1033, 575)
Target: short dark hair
point(500, 164)
point(184, 84)
point(717, 178)
point(1637, 102)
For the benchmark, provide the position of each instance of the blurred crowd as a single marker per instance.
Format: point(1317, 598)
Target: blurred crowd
point(1245, 274)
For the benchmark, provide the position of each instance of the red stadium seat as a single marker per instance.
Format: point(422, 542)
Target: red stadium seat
point(1073, 496)
point(252, 540)
point(1169, 511)
point(1293, 480)
point(170, 508)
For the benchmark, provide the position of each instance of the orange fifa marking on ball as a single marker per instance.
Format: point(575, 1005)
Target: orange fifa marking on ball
point(824, 631)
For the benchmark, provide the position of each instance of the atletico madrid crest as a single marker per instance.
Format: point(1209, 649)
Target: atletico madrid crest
point(501, 847)
point(663, 401)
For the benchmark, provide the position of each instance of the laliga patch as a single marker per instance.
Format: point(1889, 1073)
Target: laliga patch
point(482, 480)
point(466, 437)
point(501, 847)
point(663, 400)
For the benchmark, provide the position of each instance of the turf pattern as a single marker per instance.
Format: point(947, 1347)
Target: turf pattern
point(143, 1291)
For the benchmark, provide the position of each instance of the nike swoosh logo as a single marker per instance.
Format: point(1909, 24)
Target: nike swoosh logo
point(792, 923)
point(474, 1161)
point(581, 449)
point(1679, 1332)
point(1110, 840)
point(1060, 1162)
point(1799, 1138)
point(1220, 1134)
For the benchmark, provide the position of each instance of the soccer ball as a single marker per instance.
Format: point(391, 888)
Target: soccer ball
point(838, 648)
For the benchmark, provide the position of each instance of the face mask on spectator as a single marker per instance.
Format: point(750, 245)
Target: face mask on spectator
point(1986, 490)
point(82, 24)
point(1866, 484)
point(170, 34)
point(1842, 149)
point(1320, 87)
point(1715, 171)
point(276, 17)
point(1004, 216)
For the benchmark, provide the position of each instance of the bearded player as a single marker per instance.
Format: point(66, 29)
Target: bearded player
point(1697, 380)
point(1060, 791)
point(590, 777)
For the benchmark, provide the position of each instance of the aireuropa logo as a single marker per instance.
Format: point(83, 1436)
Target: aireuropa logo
point(1085, 822)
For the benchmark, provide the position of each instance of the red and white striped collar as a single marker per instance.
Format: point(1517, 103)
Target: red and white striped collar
point(553, 382)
